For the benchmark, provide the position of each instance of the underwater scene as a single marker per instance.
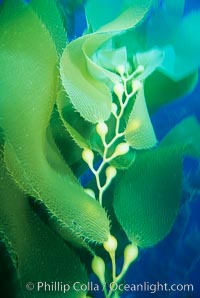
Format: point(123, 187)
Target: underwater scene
point(99, 148)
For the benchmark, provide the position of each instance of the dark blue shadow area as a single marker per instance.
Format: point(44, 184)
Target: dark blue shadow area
point(191, 5)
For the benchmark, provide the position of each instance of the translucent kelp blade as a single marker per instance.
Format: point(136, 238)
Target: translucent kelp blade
point(169, 82)
point(116, 15)
point(49, 13)
point(186, 45)
point(150, 60)
point(27, 51)
point(53, 154)
point(63, 103)
point(109, 58)
point(90, 97)
point(139, 132)
point(96, 42)
point(100, 13)
point(147, 195)
point(32, 246)
point(63, 139)
point(83, 79)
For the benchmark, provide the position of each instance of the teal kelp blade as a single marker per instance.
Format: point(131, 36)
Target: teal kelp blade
point(116, 15)
point(168, 31)
point(147, 195)
point(186, 45)
point(29, 84)
point(159, 86)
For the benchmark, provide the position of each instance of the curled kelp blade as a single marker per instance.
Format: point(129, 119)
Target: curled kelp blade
point(90, 97)
point(168, 31)
point(147, 195)
point(160, 87)
point(28, 247)
point(87, 82)
point(117, 15)
point(27, 51)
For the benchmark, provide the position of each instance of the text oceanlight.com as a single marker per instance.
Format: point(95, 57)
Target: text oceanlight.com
point(56, 286)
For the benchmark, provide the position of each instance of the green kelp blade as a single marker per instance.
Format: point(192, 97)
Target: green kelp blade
point(92, 47)
point(9, 279)
point(1, 136)
point(34, 252)
point(50, 15)
point(77, 127)
point(90, 97)
point(116, 15)
point(188, 130)
point(139, 132)
point(86, 82)
point(27, 52)
point(102, 64)
point(147, 195)
point(160, 90)
point(160, 87)
point(63, 139)
point(53, 153)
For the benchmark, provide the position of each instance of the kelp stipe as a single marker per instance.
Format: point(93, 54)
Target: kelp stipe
point(113, 81)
